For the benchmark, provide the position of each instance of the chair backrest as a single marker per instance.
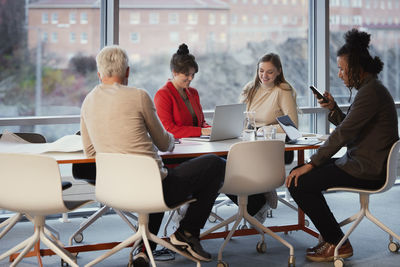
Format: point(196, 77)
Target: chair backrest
point(391, 171)
point(31, 184)
point(391, 174)
point(254, 167)
point(31, 137)
point(129, 182)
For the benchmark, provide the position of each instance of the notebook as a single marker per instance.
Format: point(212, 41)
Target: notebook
point(293, 136)
point(227, 123)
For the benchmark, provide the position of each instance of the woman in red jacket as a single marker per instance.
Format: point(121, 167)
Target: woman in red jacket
point(178, 105)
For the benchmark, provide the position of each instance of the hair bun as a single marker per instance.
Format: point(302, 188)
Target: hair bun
point(357, 40)
point(183, 50)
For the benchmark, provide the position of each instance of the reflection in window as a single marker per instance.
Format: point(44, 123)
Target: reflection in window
point(45, 37)
point(192, 18)
point(244, 19)
point(211, 19)
point(173, 18)
point(255, 19)
point(84, 18)
point(45, 18)
point(384, 42)
point(224, 19)
point(54, 37)
point(234, 19)
point(222, 37)
point(154, 18)
point(265, 19)
point(72, 37)
point(134, 18)
point(84, 38)
point(72, 18)
point(54, 18)
point(135, 37)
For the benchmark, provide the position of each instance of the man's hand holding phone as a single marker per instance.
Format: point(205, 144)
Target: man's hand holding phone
point(325, 100)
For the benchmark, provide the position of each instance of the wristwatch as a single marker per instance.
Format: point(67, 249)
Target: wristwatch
point(310, 162)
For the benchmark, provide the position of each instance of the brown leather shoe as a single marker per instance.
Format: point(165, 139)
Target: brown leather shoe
point(326, 252)
point(313, 249)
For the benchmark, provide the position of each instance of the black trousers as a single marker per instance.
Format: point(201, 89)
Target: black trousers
point(308, 196)
point(200, 178)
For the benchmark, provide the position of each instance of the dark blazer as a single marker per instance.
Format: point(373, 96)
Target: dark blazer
point(368, 130)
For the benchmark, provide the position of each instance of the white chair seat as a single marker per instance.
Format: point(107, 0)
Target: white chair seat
point(31, 184)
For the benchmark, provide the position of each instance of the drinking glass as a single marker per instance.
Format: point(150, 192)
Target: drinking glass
point(249, 129)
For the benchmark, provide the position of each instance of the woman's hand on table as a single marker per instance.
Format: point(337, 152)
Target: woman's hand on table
point(206, 131)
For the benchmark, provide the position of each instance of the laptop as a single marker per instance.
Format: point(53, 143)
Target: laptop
point(227, 123)
point(293, 136)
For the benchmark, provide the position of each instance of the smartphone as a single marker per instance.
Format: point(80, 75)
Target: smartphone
point(318, 94)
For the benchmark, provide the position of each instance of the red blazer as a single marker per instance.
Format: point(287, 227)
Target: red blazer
point(174, 114)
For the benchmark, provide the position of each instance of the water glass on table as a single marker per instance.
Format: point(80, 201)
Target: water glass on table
point(269, 132)
point(249, 129)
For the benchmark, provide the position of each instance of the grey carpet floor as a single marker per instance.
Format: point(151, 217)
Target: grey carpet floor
point(369, 242)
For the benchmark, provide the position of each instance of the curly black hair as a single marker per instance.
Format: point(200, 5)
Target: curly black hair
point(358, 56)
point(182, 60)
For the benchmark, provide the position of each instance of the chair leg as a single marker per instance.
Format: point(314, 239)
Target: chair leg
point(85, 224)
point(168, 245)
point(239, 217)
point(123, 217)
point(256, 223)
point(9, 223)
point(171, 213)
point(28, 246)
point(380, 224)
point(117, 248)
point(361, 215)
point(143, 228)
point(220, 225)
point(287, 203)
point(57, 249)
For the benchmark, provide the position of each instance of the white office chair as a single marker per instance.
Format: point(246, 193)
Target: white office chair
point(391, 176)
point(31, 184)
point(10, 222)
point(87, 173)
point(251, 168)
point(132, 183)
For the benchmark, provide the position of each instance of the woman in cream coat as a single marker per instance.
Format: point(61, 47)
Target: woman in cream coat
point(270, 96)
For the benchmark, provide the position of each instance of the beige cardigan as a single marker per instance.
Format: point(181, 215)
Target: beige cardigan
point(121, 119)
point(271, 103)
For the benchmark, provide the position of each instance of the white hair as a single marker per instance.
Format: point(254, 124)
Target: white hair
point(112, 61)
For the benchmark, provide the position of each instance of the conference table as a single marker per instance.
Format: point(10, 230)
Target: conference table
point(187, 149)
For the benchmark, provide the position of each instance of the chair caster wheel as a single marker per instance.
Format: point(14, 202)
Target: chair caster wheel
point(339, 262)
point(78, 238)
point(306, 223)
point(212, 219)
point(65, 264)
point(261, 247)
point(291, 261)
point(394, 246)
point(222, 264)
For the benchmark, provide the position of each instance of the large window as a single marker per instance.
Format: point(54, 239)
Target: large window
point(385, 40)
point(45, 69)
